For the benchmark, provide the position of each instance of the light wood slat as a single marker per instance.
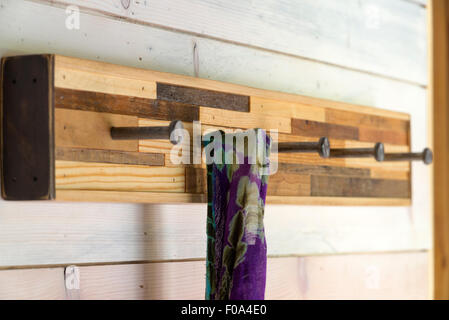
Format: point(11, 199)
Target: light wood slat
point(63, 62)
point(73, 175)
point(439, 114)
point(58, 233)
point(373, 276)
point(132, 196)
point(382, 173)
point(292, 28)
point(287, 109)
point(85, 129)
point(244, 120)
point(376, 276)
point(97, 82)
point(338, 201)
point(32, 284)
point(109, 156)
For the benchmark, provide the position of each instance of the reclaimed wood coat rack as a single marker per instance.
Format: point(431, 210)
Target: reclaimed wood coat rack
point(57, 115)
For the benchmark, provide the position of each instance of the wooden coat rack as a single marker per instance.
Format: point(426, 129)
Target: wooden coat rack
point(57, 114)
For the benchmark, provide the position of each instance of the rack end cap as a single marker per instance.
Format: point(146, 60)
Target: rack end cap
point(427, 156)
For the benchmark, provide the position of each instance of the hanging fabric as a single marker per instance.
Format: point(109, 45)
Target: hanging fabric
point(237, 186)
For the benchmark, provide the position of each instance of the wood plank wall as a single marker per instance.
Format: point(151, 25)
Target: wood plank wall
point(370, 53)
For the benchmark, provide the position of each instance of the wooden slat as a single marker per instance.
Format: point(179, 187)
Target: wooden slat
point(288, 184)
point(126, 105)
point(385, 136)
point(98, 82)
point(382, 173)
point(349, 118)
point(295, 168)
point(32, 284)
point(73, 175)
point(287, 109)
point(196, 180)
point(321, 129)
point(292, 28)
point(109, 156)
point(85, 129)
point(358, 187)
point(132, 196)
point(439, 115)
point(235, 119)
point(338, 201)
point(201, 97)
point(367, 276)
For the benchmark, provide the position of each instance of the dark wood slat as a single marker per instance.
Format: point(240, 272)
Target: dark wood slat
point(196, 180)
point(349, 118)
point(310, 128)
point(110, 156)
point(27, 137)
point(331, 186)
point(297, 168)
point(202, 97)
point(385, 136)
point(288, 184)
point(119, 104)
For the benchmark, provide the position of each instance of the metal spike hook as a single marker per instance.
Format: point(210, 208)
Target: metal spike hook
point(144, 133)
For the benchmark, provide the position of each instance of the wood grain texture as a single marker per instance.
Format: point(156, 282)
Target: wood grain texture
point(98, 82)
point(294, 168)
point(244, 120)
point(85, 129)
point(349, 118)
point(320, 129)
point(32, 284)
point(126, 105)
point(201, 97)
point(387, 136)
point(292, 28)
point(358, 187)
point(367, 276)
point(60, 233)
point(196, 180)
point(288, 184)
point(439, 98)
point(74, 175)
point(109, 156)
point(287, 109)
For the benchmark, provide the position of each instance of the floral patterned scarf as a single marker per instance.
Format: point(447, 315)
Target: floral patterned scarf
point(236, 246)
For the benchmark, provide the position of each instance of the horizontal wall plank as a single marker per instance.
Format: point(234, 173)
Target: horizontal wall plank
point(85, 129)
point(359, 119)
point(350, 36)
point(32, 284)
point(320, 129)
point(329, 186)
point(73, 175)
point(126, 105)
point(287, 109)
point(288, 184)
point(244, 120)
point(373, 276)
point(69, 233)
point(201, 97)
point(376, 276)
point(109, 156)
point(97, 82)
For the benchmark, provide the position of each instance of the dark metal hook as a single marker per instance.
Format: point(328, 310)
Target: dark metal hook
point(377, 152)
point(143, 133)
point(426, 156)
point(322, 147)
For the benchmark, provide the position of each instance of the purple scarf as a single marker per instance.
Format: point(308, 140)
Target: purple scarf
point(236, 246)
